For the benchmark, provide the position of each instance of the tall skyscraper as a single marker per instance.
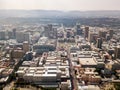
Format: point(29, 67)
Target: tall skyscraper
point(14, 32)
point(90, 36)
point(10, 34)
point(117, 52)
point(3, 35)
point(26, 46)
point(27, 37)
point(20, 37)
point(99, 43)
point(23, 36)
point(79, 31)
point(102, 33)
point(111, 33)
point(50, 26)
point(108, 37)
point(86, 32)
point(50, 31)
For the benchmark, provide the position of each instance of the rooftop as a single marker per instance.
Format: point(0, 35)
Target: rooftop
point(87, 61)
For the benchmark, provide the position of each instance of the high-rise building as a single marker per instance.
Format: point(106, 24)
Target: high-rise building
point(50, 32)
point(14, 32)
point(86, 32)
point(102, 33)
point(3, 35)
point(20, 37)
point(27, 37)
point(79, 31)
point(50, 26)
point(46, 31)
point(108, 37)
point(92, 36)
point(26, 46)
point(54, 33)
point(10, 34)
point(99, 43)
point(117, 52)
point(111, 33)
point(23, 36)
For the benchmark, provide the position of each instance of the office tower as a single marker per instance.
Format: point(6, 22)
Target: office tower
point(14, 32)
point(90, 36)
point(78, 29)
point(117, 52)
point(27, 37)
point(50, 32)
point(102, 33)
point(54, 33)
point(23, 36)
point(99, 43)
point(3, 35)
point(10, 34)
point(108, 37)
point(111, 33)
point(50, 27)
point(20, 37)
point(26, 46)
point(47, 30)
point(86, 32)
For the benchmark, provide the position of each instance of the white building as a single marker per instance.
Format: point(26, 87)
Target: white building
point(43, 74)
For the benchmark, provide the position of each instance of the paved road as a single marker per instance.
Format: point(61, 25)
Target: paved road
point(71, 69)
point(72, 75)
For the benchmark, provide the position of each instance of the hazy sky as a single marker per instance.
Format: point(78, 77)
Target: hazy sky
point(61, 4)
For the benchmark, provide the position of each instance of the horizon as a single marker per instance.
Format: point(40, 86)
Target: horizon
point(56, 10)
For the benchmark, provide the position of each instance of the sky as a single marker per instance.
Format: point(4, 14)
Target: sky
point(65, 5)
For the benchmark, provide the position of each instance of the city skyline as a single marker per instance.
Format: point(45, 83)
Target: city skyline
point(64, 5)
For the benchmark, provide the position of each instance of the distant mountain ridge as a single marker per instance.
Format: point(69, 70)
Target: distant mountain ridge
point(59, 14)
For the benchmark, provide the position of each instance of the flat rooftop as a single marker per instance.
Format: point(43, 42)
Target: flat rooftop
point(87, 61)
